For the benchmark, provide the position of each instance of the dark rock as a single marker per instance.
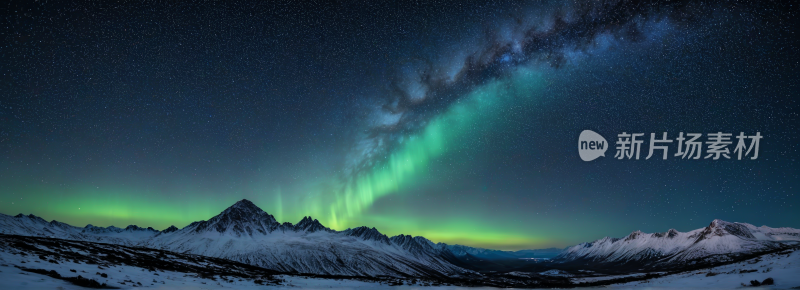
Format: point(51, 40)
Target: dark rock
point(768, 281)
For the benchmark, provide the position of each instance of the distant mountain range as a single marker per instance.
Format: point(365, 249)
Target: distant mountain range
point(720, 241)
point(489, 254)
point(245, 233)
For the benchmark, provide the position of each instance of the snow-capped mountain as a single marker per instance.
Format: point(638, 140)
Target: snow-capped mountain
point(718, 242)
point(245, 233)
point(241, 219)
point(32, 225)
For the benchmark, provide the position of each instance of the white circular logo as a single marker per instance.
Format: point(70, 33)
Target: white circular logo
point(591, 145)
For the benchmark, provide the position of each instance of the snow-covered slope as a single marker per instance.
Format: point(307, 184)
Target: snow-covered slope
point(717, 242)
point(780, 267)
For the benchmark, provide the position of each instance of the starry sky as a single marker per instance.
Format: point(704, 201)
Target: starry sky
point(454, 122)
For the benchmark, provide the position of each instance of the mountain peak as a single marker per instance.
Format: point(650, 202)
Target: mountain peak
point(244, 207)
point(671, 233)
point(719, 227)
point(31, 216)
point(170, 229)
point(634, 235)
point(718, 222)
point(309, 224)
point(135, 228)
point(366, 233)
point(244, 203)
point(242, 218)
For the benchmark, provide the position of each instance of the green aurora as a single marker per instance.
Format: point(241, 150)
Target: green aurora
point(336, 204)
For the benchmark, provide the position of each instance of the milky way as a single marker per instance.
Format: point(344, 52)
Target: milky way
point(546, 34)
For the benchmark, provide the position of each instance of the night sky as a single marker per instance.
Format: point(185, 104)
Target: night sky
point(454, 122)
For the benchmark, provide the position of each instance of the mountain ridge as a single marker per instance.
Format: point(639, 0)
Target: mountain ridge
point(244, 232)
point(720, 241)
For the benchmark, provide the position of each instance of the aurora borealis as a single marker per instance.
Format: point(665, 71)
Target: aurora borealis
point(457, 123)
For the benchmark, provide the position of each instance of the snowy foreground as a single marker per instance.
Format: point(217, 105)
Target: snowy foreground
point(126, 277)
point(784, 267)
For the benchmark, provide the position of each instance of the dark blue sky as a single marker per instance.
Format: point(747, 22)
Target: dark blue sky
point(166, 113)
